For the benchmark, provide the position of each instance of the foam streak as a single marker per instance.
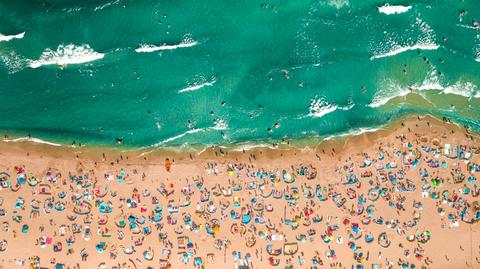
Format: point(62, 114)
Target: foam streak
point(7, 38)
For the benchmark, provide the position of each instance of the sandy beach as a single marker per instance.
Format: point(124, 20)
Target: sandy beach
point(401, 197)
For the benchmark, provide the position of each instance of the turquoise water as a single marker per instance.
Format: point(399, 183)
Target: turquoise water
point(167, 73)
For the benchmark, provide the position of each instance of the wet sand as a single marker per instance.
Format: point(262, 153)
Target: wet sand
point(295, 221)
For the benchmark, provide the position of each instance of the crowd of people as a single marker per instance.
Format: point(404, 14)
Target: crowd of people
point(370, 210)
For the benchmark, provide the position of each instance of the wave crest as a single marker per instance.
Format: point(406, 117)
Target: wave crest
point(320, 107)
point(425, 41)
point(198, 86)
point(462, 88)
point(386, 92)
point(186, 43)
point(33, 140)
point(388, 9)
point(67, 54)
point(399, 49)
point(220, 124)
point(391, 89)
point(7, 38)
point(173, 138)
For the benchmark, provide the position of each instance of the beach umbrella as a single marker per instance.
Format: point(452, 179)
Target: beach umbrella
point(216, 229)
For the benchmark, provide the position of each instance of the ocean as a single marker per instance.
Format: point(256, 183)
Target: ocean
point(210, 72)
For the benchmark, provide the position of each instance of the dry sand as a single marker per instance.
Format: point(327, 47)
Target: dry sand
point(448, 247)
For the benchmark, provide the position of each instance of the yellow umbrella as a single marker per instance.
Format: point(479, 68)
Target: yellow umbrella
point(216, 229)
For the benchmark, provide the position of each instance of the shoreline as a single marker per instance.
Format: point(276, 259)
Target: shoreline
point(288, 144)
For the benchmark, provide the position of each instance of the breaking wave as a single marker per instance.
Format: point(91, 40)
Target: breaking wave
point(400, 49)
point(195, 87)
point(392, 89)
point(462, 88)
point(388, 9)
point(389, 90)
point(186, 43)
point(220, 125)
point(14, 62)
point(33, 140)
point(173, 138)
point(7, 38)
point(65, 55)
point(430, 82)
point(319, 107)
point(392, 47)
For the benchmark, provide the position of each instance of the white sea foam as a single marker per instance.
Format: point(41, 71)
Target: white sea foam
point(461, 88)
point(195, 87)
point(220, 125)
point(186, 43)
point(426, 86)
point(430, 82)
point(382, 100)
point(400, 49)
point(10, 37)
point(307, 48)
point(473, 27)
point(31, 139)
point(354, 132)
point(248, 146)
point(388, 9)
point(106, 5)
point(391, 89)
point(173, 138)
point(391, 47)
point(13, 61)
point(319, 108)
point(67, 54)
point(386, 92)
point(338, 3)
point(346, 108)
